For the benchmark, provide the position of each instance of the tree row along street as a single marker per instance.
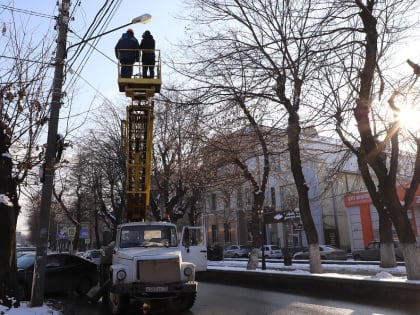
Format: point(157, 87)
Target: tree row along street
point(282, 123)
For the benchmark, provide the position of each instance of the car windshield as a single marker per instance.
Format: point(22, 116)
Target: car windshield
point(330, 247)
point(274, 247)
point(95, 254)
point(25, 261)
point(148, 236)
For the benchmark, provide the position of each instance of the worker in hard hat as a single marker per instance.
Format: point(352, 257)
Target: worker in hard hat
point(147, 46)
point(127, 51)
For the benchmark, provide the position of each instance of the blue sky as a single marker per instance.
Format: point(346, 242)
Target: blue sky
point(98, 77)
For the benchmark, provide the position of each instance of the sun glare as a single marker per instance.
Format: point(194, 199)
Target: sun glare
point(410, 119)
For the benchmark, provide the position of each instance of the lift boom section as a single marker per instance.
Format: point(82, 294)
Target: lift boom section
point(137, 136)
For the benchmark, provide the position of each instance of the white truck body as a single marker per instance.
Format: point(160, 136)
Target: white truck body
point(149, 264)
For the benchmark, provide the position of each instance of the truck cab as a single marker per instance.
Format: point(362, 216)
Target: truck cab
point(150, 265)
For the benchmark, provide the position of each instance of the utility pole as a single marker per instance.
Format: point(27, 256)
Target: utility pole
point(38, 284)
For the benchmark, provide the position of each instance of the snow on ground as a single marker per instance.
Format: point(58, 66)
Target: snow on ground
point(25, 309)
point(370, 272)
point(354, 271)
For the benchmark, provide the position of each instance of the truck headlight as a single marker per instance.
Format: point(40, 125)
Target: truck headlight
point(121, 274)
point(188, 271)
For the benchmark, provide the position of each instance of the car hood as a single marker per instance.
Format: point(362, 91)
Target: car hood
point(149, 253)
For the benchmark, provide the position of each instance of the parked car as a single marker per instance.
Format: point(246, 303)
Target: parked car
point(23, 250)
point(373, 252)
point(214, 252)
point(64, 272)
point(94, 255)
point(236, 251)
point(326, 252)
point(271, 251)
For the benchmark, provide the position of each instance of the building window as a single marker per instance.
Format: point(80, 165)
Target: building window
point(214, 233)
point(227, 201)
point(239, 200)
point(228, 237)
point(213, 202)
point(249, 226)
point(248, 197)
point(273, 197)
point(289, 197)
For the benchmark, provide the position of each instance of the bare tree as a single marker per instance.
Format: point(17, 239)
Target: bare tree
point(23, 114)
point(177, 177)
point(33, 205)
point(72, 192)
point(376, 143)
point(105, 167)
point(266, 44)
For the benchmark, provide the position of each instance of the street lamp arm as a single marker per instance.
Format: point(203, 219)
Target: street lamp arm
point(97, 36)
point(145, 18)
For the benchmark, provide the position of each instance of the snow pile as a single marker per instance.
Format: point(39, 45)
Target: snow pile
point(355, 271)
point(6, 200)
point(25, 309)
point(383, 275)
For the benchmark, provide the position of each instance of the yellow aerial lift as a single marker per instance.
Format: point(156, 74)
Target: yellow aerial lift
point(137, 134)
point(146, 262)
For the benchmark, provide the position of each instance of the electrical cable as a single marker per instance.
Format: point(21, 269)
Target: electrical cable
point(97, 26)
point(27, 12)
point(28, 60)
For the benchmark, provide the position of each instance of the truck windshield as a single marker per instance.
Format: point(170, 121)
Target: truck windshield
point(148, 236)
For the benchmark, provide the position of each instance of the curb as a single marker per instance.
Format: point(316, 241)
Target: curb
point(318, 285)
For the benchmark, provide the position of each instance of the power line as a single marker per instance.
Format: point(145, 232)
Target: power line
point(27, 12)
point(100, 22)
point(28, 60)
point(89, 84)
point(93, 47)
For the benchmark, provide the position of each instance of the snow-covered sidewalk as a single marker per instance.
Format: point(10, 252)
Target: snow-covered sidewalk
point(25, 309)
point(339, 270)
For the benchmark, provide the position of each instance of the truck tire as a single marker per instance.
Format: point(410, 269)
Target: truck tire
point(117, 303)
point(183, 302)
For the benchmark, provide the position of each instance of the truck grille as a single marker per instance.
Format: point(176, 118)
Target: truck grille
point(158, 271)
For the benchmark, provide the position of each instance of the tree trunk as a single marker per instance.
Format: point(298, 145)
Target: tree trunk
point(96, 228)
point(256, 240)
point(315, 265)
point(387, 245)
point(369, 150)
point(76, 239)
point(293, 132)
point(411, 257)
point(253, 258)
point(387, 253)
point(404, 229)
point(9, 210)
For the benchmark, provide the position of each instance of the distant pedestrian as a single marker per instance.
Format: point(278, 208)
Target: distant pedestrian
point(166, 218)
point(147, 46)
point(127, 51)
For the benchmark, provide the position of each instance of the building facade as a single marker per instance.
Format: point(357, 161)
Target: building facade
point(364, 220)
point(333, 178)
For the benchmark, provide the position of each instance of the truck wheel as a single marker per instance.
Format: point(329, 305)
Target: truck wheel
point(183, 302)
point(117, 303)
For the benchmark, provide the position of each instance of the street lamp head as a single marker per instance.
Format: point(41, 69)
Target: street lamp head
point(144, 18)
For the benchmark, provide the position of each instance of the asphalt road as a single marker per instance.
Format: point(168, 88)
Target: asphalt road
point(219, 299)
